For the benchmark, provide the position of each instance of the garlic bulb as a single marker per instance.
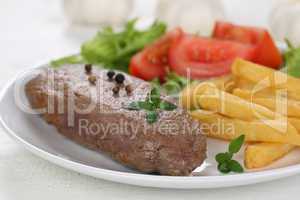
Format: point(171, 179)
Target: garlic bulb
point(285, 21)
point(193, 16)
point(103, 12)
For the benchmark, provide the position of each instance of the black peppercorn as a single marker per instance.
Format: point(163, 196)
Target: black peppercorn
point(119, 78)
point(88, 68)
point(110, 75)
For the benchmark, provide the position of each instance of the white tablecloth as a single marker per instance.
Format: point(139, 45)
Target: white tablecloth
point(33, 30)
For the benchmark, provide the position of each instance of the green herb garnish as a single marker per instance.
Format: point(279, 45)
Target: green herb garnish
point(164, 105)
point(141, 105)
point(154, 97)
point(151, 105)
point(225, 162)
point(114, 49)
point(151, 117)
point(173, 83)
point(292, 60)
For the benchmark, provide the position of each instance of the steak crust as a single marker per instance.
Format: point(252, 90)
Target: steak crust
point(93, 116)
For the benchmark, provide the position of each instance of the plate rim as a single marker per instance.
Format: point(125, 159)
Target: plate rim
point(145, 180)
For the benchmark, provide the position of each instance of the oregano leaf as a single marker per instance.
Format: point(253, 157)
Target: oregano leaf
point(223, 167)
point(151, 117)
point(164, 105)
point(155, 97)
point(235, 166)
point(223, 157)
point(236, 144)
point(133, 106)
point(225, 162)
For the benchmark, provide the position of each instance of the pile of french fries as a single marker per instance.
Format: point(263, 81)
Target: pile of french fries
point(261, 103)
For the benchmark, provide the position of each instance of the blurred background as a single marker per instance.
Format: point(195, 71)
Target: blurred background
point(37, 30)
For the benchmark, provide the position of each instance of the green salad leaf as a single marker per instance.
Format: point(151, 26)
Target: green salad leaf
point(114, 49)
point(292, 60)
point(74, 59)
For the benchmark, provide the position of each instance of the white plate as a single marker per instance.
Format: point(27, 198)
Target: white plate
point(43, 140)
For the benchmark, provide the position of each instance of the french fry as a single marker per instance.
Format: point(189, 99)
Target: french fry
point(222, 127)
point(248, 93)
point(256, 155)
point(252, 110)
point(243, 84)
point(225, 83)
point(260, 155)
point(267, 77)
point(210, 119)
point(295, 122)
point(243, 93)
point(188, 97)
point(291, 107)
point(213, 99)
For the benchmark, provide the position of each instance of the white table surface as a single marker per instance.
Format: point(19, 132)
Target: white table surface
point(33, 30)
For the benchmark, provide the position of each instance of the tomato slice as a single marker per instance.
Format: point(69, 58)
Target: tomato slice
point(152, 62)
point(198, 57)
point(265, 49)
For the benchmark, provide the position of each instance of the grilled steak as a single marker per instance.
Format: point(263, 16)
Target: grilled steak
point(85, 106)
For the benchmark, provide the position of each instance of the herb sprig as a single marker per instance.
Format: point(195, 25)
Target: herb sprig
point(225, 162)
point(151, 105)
point(173, 83)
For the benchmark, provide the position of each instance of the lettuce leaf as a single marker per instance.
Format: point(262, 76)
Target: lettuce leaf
point(114, 49)
point(73, 59)
point(292, 60)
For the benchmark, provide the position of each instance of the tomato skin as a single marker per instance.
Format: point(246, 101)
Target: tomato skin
point(152, 62)
point(140, 68)
point(199, 58)
point(266, 51)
